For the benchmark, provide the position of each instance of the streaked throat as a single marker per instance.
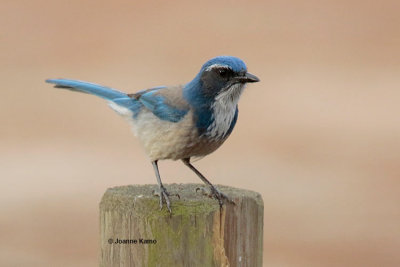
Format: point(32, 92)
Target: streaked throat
point(223, 111)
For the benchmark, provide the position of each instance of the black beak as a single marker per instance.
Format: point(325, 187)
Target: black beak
point(247, 78)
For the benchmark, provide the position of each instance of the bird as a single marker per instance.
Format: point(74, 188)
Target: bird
point(183, 122)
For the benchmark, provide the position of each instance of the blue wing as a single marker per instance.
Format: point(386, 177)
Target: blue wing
point(162, 106)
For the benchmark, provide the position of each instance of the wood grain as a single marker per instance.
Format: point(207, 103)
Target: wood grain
point(135, 232)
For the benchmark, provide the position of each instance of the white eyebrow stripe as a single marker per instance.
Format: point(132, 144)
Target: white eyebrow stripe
point(217, 66)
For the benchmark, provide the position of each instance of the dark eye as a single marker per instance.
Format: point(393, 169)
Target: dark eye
point(223, 73)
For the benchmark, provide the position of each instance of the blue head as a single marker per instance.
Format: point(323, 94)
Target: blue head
point(215, 91)
point(219, 74)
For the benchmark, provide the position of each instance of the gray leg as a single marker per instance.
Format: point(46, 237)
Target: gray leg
point(215, 193)
point(163, 192)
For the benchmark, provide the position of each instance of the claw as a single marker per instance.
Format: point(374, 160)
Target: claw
point(203, 192)
point(218, 195)
point(164, 196)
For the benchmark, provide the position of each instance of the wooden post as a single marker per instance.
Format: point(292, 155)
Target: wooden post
point(135, 232)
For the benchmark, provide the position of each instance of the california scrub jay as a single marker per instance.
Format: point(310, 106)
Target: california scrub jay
point(180, 122)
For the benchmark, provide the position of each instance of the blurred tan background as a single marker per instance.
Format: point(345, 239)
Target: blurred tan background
point(318, 137)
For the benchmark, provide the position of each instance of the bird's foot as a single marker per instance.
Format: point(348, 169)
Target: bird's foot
point(215, 193)
point(164, 196)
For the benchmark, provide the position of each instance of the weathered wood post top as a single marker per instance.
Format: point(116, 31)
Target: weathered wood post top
point(135, 232)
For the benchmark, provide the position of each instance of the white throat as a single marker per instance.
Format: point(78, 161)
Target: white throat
point(224, 109)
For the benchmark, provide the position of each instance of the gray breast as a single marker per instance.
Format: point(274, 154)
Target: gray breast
point(224, 112)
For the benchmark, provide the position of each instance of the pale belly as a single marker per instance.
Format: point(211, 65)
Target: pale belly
point(171, 140)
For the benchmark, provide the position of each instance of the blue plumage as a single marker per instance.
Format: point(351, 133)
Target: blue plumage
point(110, 94)
point(157, 104)
point(236, 64)
point(86, 87)
point(180, 122)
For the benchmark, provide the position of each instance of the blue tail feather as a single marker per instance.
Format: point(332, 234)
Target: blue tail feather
point(91, 88)
point(107, 93)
